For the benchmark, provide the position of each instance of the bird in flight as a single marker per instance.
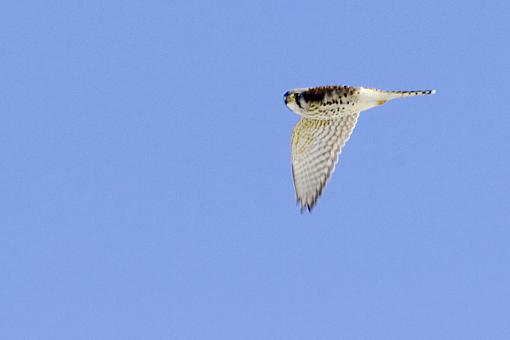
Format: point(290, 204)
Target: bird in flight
point(328, 116)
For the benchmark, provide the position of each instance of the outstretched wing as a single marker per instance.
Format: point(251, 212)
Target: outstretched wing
point(316, 145)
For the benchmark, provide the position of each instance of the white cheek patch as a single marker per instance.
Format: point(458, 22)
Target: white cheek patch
point(294, 107)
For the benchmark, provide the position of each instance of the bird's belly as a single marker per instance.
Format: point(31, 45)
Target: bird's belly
point(333, 111)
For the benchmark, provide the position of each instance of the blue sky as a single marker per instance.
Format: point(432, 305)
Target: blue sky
point(145, 180)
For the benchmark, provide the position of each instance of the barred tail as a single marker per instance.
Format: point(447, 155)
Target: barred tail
point(400, 94)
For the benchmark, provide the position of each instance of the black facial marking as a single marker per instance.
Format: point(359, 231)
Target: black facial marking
point(297, 97)
point(313, 95)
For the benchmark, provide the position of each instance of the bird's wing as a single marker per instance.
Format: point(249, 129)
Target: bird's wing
point(316, 145)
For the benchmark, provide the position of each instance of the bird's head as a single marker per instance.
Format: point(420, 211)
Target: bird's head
point(295, 100)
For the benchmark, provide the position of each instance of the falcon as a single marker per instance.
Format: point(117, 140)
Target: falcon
point(328, 117)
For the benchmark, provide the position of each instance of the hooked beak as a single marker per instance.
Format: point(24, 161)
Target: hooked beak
point(285, 97)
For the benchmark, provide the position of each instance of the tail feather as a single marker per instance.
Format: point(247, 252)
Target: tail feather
point(399, 94)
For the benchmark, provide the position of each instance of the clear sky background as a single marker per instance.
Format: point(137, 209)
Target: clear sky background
point(145, 179)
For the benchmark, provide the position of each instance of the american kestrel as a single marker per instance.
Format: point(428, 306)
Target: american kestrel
point(328, 116)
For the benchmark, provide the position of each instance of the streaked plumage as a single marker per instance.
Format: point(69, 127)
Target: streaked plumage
point(329, 115)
